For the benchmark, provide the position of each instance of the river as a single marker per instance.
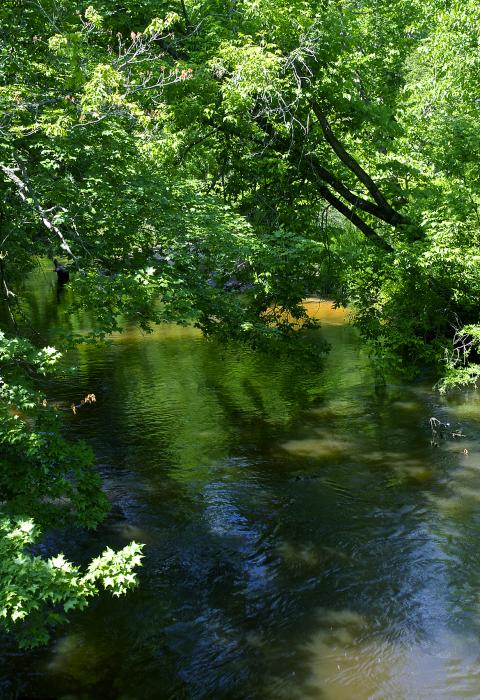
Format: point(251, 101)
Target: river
point(303, 539)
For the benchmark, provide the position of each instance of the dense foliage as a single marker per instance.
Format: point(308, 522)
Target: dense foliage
point(45, 481)
point(213, 163)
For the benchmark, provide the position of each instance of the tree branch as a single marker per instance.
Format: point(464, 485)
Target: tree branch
point(389, 213)
point(359, 223)
point(27, 195)
point(327, 177)
point(198, 141)
point(341, 189)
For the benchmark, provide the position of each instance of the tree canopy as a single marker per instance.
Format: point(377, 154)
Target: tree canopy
point(213, 163)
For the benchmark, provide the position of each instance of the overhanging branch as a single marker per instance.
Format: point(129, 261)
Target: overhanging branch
point(358, 202)
point(28, 196)
point(320, 177)
point(359, 223)
point(389, 214)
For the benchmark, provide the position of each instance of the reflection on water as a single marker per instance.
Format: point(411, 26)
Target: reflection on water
point(303, 539)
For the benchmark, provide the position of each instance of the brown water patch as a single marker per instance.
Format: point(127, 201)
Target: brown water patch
point(324, 310)
point(319, 447)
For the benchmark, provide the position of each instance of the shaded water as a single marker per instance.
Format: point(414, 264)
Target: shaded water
point(303, 539)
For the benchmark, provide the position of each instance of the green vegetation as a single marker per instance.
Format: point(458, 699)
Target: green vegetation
point(212, 163)
point(47, 480)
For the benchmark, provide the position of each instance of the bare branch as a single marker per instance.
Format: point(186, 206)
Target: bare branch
point(27, 195)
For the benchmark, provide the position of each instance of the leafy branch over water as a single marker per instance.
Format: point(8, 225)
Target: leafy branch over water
point(54, 481)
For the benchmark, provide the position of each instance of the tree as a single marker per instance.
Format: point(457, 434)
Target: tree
point(304, 109)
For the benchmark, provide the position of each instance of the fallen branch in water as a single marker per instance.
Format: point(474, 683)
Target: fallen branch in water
point(89, 398)
point(442, 431)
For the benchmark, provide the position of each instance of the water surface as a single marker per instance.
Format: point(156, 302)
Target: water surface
point(303, 538)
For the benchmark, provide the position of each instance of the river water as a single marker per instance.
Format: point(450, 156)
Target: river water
point(303, 540)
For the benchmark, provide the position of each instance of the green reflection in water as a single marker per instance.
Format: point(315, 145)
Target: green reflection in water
point(303, 538)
